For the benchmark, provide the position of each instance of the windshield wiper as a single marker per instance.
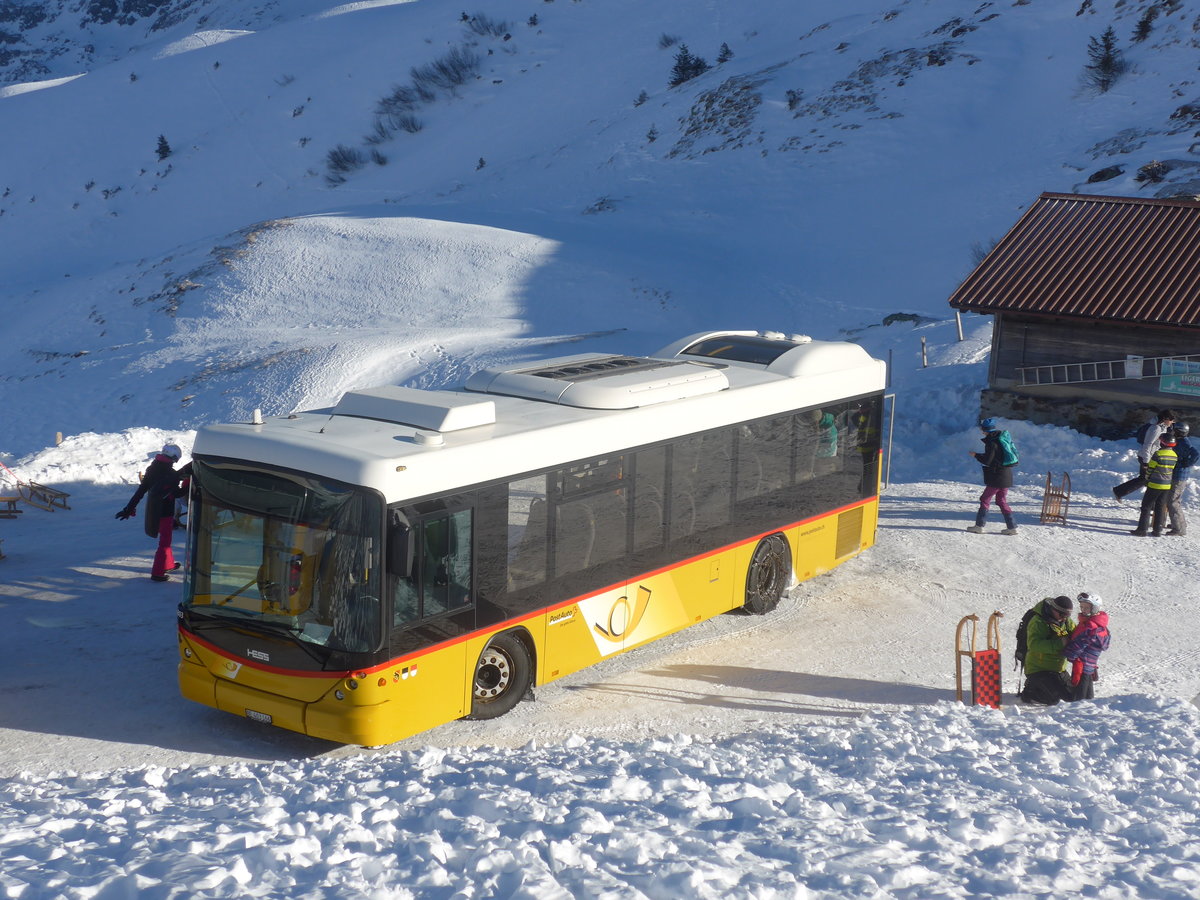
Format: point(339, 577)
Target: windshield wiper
point(253, 581)
point(273, 629)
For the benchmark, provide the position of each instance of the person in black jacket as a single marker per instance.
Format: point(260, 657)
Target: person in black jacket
point(1185, 457)
point(997, 479)
point(160, 486)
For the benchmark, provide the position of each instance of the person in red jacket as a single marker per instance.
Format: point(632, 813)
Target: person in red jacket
point(1089, 639)
point(160, 486)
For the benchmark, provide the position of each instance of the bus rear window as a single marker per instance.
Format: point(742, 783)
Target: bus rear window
point(741, 348)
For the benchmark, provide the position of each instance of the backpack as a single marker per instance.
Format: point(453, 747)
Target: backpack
point(1022, 639)
point(1008, 450)
point(1143, 430)
point(1187, 455)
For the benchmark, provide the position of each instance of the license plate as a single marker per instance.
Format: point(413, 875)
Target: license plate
point(258, 716)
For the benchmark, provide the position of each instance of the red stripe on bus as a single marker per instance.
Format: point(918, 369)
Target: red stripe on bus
point(510, 623)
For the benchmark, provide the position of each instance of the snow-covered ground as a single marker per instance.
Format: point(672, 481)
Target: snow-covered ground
point(1098, 800)
point(815, 753)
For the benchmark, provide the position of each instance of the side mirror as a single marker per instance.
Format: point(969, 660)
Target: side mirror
point(401, 543)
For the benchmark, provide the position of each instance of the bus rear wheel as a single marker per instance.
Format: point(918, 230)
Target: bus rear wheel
point(767, 579)
point(502, 677)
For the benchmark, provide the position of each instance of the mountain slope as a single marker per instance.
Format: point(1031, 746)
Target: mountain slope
point(839, 167)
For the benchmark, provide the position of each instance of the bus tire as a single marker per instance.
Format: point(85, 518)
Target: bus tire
point(768, 576)
point(502, 676)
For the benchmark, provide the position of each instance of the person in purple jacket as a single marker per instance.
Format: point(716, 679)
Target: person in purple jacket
point(1089, 639)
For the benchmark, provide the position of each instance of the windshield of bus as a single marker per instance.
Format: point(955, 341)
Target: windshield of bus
point(286, 552)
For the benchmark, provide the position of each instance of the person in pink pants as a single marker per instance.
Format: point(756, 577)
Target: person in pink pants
point(160, 486)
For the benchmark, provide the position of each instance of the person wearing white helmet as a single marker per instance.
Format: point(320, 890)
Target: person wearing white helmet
point(1089, 639)
point(160, 486)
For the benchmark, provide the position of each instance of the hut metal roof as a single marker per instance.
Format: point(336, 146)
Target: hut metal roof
point(1121, 259)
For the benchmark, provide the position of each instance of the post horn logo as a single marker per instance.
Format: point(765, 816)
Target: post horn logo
point(623, 619)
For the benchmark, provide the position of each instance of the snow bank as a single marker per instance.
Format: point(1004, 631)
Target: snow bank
point(945, 801)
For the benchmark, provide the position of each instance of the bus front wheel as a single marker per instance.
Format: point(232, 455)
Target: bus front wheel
point(502, 677)
point(767, 579)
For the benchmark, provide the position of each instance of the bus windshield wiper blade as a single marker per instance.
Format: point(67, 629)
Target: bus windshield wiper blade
point(274, 629)
point(197, 621)
point(289, 632)
point(239, 591)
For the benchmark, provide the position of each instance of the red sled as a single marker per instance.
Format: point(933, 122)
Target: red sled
point(985, 664)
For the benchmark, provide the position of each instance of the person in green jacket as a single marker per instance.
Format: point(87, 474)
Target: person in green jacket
point(1046, 635)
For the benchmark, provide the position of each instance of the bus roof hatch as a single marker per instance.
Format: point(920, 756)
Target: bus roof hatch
point(594, 381)
point(436, 410)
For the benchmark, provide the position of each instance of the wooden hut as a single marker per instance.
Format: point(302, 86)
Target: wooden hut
point(1097, 306)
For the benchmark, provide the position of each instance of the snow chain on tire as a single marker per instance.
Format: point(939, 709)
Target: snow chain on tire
point(768, 576)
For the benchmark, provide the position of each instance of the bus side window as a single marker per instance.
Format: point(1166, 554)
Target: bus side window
point(610, 510)
point(806, 444)
point(773, 442)
point(459, 560)
point(527, 546)
point(574, 536)
point(750, 469)
point(406, 602)
point(713, 472)
point(648, 492)
point(830, 439)
point(441, 577)
point(446, 562)
point(684, 456)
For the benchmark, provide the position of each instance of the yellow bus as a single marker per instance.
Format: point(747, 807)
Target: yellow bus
point(408, 557)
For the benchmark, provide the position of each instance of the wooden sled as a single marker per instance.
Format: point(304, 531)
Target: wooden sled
point(33, 494)
point(984, 664)
point(1056, 500)
point(43, 497)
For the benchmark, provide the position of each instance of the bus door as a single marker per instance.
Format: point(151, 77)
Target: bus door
point(578, 517)
point(588, 566)
point(433, 607)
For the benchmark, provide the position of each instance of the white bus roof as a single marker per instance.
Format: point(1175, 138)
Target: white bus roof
point(409, 443)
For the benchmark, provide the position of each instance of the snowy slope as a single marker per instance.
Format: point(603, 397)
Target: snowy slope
point(918, 132)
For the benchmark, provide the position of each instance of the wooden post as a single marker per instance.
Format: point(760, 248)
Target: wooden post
point(958, 322)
